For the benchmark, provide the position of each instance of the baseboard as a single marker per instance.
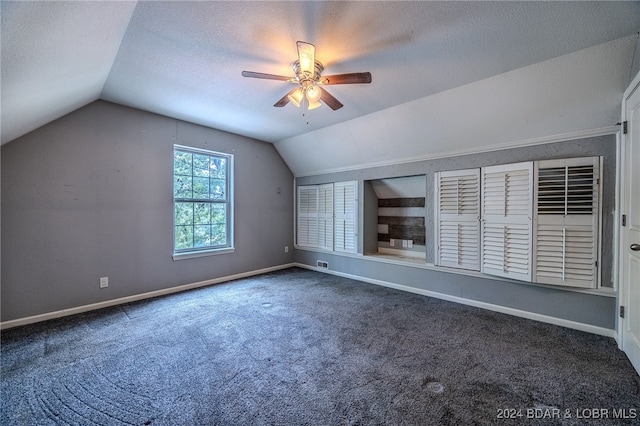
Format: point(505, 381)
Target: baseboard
point(114, 302)
point(484, 305)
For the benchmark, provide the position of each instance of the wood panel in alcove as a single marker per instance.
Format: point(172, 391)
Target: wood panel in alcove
point(404, 224)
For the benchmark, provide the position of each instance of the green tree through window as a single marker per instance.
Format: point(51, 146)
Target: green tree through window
point(202, 200)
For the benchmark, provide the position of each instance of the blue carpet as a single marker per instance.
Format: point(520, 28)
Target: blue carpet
point(298, 347)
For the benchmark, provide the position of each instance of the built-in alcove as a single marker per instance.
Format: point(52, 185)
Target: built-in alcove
point(394, 217)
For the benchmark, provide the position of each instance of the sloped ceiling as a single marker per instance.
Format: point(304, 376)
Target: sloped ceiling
point(572, 96)
point(56, 57)
point(184, 59)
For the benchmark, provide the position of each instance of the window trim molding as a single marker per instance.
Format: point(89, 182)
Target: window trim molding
point(230, 184)
point(202, 253)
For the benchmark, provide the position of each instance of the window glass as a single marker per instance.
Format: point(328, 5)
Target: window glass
point(202, 200)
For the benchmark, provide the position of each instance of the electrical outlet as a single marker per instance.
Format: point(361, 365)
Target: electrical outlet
point(392, 242)
point(286, 249)
point(404, 243)
point(409, 243)
point(104, 282)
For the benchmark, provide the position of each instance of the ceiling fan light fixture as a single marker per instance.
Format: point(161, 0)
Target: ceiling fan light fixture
point(313, 93)
point(313, 105)
point(296, 97)
point(308, 75)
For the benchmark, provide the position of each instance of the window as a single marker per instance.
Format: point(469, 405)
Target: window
point(506, 220)
point(458, 219)
point(308, 216)
point(327, 216)
point(567, 222)
point(345, 216)
point(202, 200)
point(539, 221)
point(315, 216)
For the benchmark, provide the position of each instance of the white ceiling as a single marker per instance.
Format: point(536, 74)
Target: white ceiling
point(184, 59)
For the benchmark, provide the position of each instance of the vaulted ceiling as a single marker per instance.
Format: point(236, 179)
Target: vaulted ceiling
point(184, 59)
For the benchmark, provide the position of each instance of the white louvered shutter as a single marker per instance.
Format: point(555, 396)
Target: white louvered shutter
point(458, 219)
point(345, 207)
point(567, 222)
point(507, 206)
point(308, 216)
point(325, 216)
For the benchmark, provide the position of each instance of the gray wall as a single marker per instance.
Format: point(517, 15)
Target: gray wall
point(583, 308)
point(590, 309)
point(90, 195)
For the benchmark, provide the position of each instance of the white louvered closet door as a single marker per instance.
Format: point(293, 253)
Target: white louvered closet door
point(567, 222)
point(458, 219)
point(507, 206)
point(307, 216)
point(346, 209)
point(325, 216)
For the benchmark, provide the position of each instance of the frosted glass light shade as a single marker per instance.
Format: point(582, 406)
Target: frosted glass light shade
point(296, 97)
point(313, 93)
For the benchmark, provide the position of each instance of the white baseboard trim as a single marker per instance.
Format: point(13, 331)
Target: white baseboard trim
point(484, 305)
point(136, 297)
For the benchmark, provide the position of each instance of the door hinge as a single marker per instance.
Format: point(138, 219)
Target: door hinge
point(624, 127)
point(621, 311)
point(624, 220)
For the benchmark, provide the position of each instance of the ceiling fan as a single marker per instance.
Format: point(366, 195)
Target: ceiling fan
point(309, 78)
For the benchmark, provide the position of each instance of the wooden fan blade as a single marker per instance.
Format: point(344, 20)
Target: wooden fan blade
point(328, 99)
point(285, 99)
point(265, 76)
point(351, 78)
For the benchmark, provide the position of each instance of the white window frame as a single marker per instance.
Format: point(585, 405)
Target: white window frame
point(226, 201)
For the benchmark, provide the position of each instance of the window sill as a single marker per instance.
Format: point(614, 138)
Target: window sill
point(194, 254)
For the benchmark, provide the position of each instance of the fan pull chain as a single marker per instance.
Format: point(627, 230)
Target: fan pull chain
point(305, 107)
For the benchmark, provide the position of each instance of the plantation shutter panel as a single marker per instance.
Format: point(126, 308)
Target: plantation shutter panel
point(507, 206)
point(567, 222)
point(458, 219)
point(345, 206)
point(325, 216)
point(308, 216)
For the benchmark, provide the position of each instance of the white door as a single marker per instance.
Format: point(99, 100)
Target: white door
point(630, 233)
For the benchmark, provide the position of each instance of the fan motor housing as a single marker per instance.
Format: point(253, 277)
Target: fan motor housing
point(302, 76)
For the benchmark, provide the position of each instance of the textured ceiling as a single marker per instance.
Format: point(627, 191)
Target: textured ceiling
point(184, 59)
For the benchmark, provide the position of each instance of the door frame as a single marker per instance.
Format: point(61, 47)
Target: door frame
point(621, 246)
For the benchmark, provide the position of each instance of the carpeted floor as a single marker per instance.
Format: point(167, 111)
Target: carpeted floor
point(298, 347)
